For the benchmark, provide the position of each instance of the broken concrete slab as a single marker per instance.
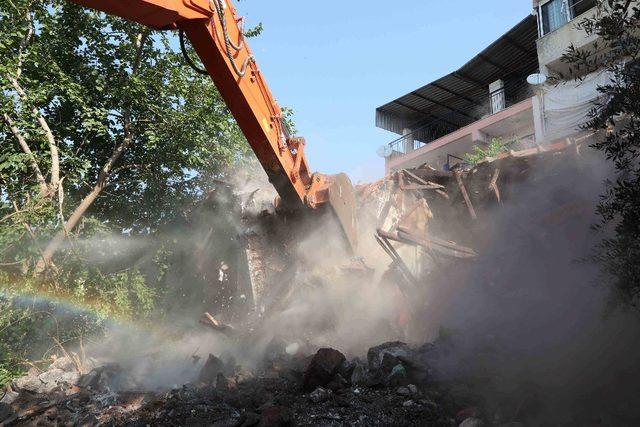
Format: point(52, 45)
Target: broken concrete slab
point(322, 368)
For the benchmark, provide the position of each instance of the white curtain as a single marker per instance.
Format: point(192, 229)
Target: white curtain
point(556, 14)
point(567, 105)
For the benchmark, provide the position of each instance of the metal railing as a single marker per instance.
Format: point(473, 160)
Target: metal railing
point(497, 100)
point(414, 140)
point(577, 8)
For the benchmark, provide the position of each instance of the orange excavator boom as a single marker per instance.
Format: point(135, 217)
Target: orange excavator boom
point(216, 33)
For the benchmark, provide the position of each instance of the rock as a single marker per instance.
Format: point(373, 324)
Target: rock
point(395, 349)
point(472, 422)
point(322, 368)
point(276, 416)
point(413, 389)
point(64, 363)
point(47, 381)
point(320, 395)
point(9, 397)
point(212, 367)
point(338, 383)
point(359, 374)
point(5, 412)
point(28, 383)
point(56, 378)
point(347, 367)
point(403, 391)
point(408, 403)
point(398, 375)
point(101, 377)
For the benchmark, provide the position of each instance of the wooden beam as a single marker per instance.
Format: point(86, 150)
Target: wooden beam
point(410, 235)
point(422, 181)
point(493, 185)
point(465, 195)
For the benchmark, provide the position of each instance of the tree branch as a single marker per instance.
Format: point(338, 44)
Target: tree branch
point(105, 171)
point(25, 41)
point(42, 183)
point(53, 147)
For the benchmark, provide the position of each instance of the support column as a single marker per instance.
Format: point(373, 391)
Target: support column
point(538, 116)
point(408, 140)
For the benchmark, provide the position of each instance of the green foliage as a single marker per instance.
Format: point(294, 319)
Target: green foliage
point(255, 31)
point(82, 73)
point(495, 147)
point(617, 121)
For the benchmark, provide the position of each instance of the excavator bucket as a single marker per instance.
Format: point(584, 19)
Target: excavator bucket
point(342, 199)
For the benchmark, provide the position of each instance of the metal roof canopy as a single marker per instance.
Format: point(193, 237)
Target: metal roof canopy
point(462, 97)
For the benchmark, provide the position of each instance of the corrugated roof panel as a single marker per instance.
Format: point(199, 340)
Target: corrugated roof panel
point(462, 96)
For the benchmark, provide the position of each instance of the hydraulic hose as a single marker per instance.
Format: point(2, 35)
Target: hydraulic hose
point(186, 57)
point(227, 40)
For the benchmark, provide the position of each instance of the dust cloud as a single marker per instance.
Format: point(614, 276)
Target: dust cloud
point(530, 317)
point(528, 321)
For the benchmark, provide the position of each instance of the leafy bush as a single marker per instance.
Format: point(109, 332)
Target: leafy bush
point(495, 147)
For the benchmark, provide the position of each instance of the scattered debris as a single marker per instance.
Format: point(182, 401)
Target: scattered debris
point(226, 395)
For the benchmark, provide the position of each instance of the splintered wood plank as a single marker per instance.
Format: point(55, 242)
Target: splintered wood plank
point(465, 195)
point(443, 194)
point(493, 185)
point(417, 216)
point(422, 187)
point(431, 243)
point(422, 181)
point(451, 248)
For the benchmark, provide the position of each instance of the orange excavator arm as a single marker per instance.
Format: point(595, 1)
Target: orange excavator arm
point(215, 32)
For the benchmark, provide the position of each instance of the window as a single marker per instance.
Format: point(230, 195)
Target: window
point(555, 13)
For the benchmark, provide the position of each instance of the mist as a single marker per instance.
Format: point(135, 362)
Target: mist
point(531, 318)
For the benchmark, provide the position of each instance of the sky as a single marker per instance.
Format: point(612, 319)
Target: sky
point(334, 62)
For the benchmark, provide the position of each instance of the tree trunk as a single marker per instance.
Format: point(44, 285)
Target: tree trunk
point(88, 200)
point(103, 177)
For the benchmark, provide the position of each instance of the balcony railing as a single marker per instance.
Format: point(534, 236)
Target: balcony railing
point(495, 102)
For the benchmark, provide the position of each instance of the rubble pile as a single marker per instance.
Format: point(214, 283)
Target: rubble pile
point(444, 213)
point(394, 386)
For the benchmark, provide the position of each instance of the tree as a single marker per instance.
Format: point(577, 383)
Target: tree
point(617, 118)
point(103, 123)
point(104, 132)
